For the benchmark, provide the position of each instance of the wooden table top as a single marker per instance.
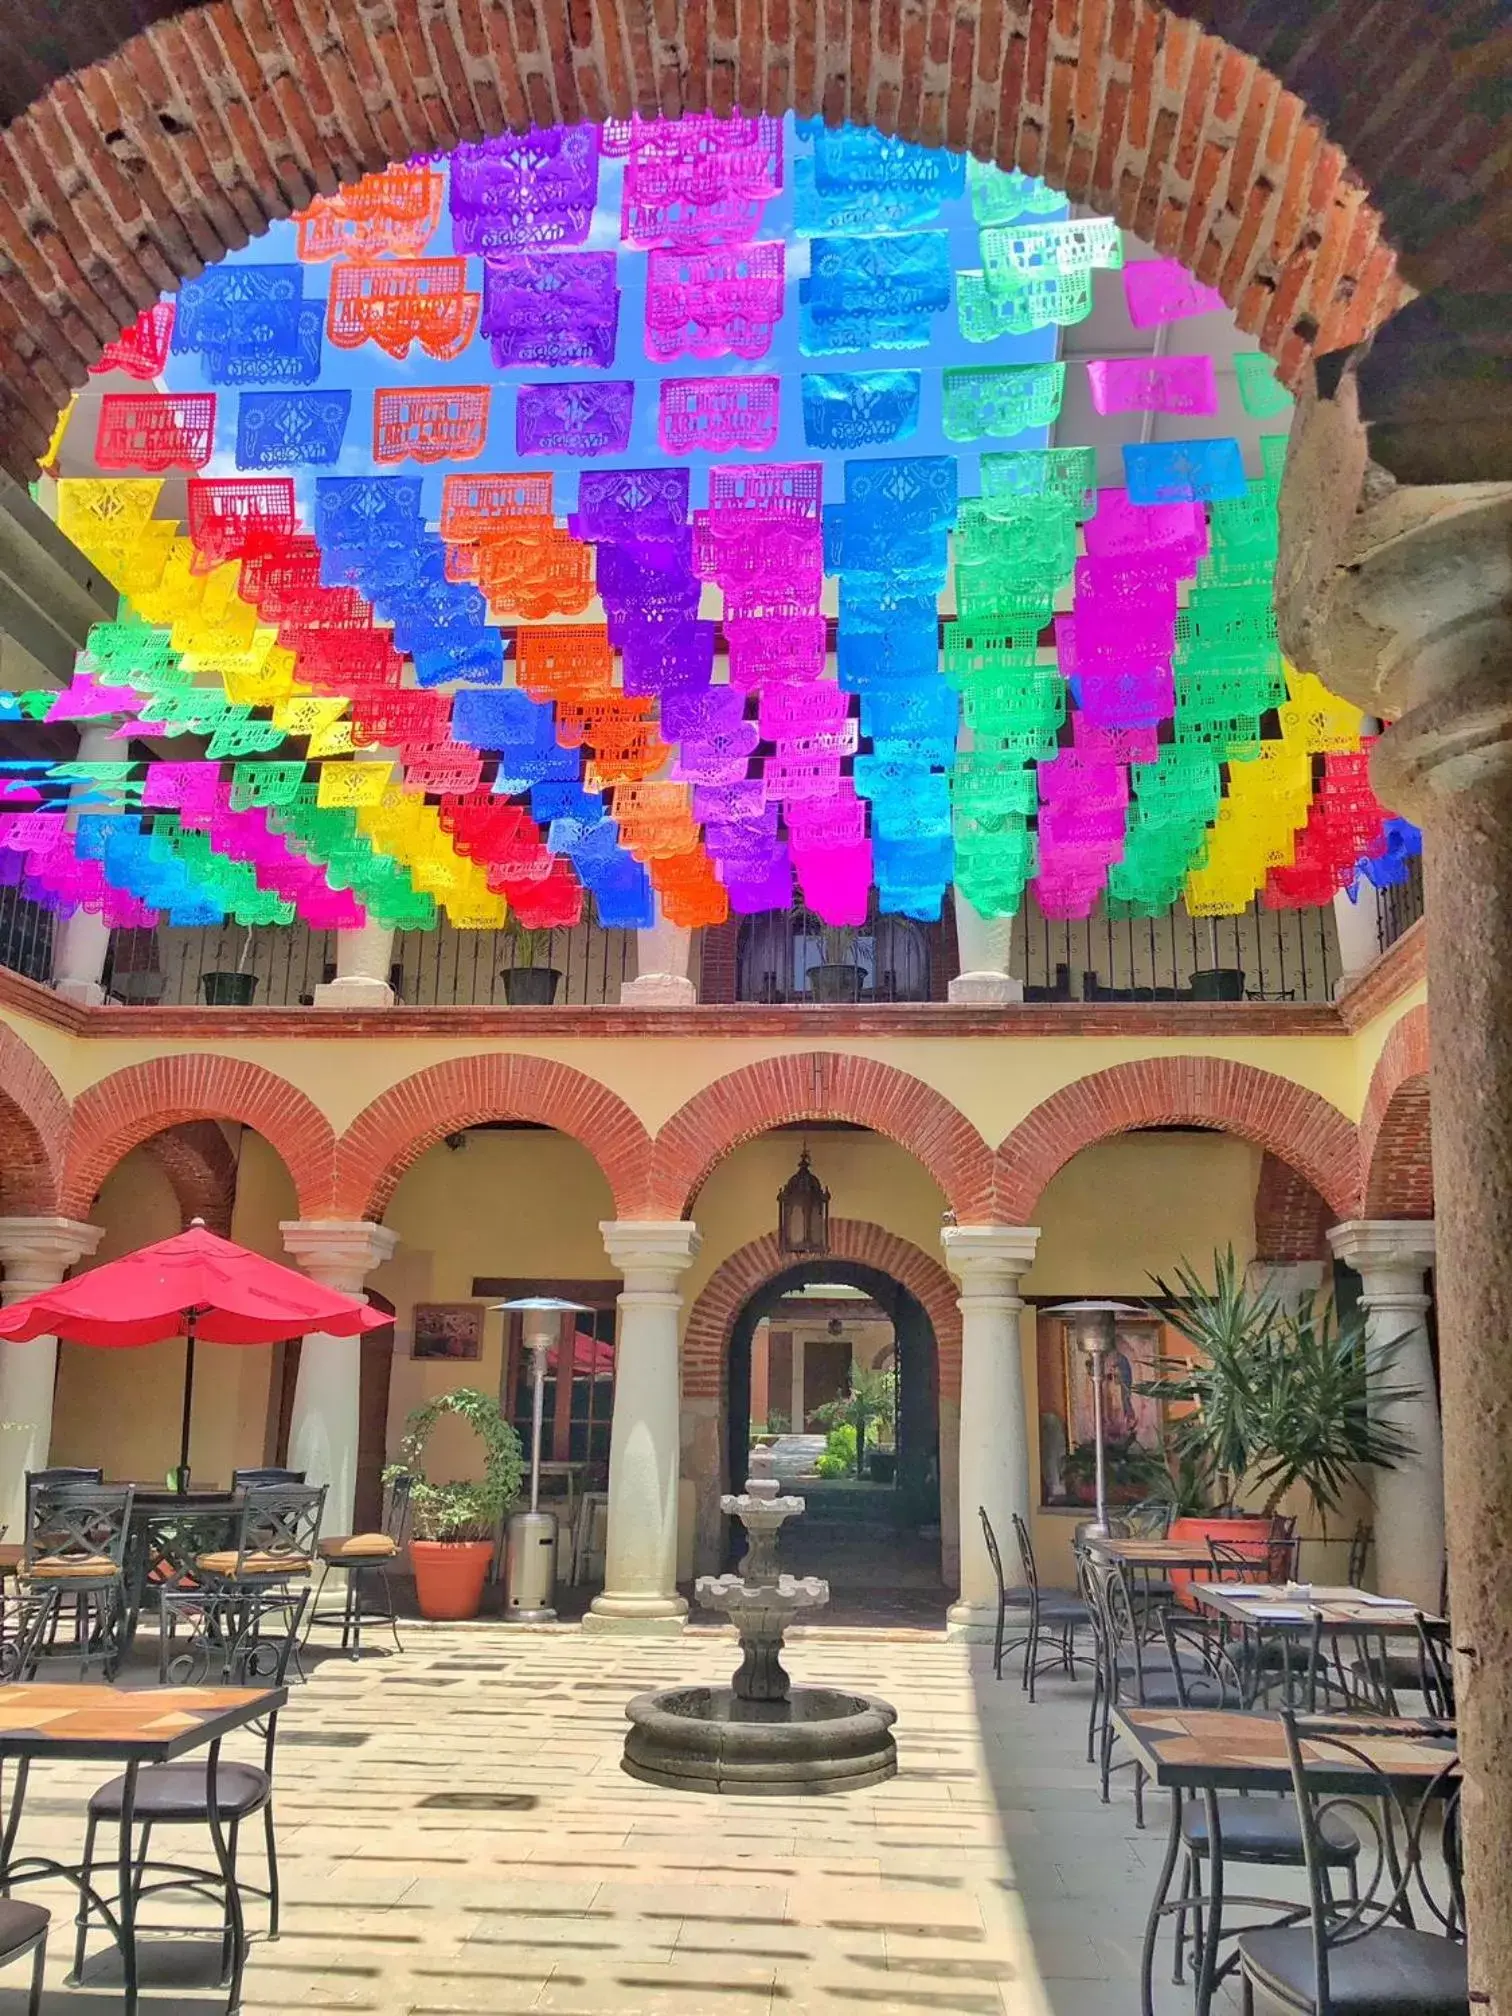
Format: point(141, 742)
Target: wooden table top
point(1224, 1750)
point(1152, 1553)
point(1270, 1606)
point(150, 1725)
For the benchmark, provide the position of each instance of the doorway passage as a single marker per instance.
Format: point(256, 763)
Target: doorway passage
point(810, 1344)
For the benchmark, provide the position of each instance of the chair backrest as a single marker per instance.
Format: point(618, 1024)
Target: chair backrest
point(281, 1521)
point(1204, 1671)
point(240, 1638)
point(397, 1523)
point(1026, 1553)
point(1111, 1601)
point(1272, 1558)
point(1150, 1519)
point(246, 1480)
point(1436, 1667)
point(1359, 1554)
point(993, 1553)
point(1336, 1775)
point(75, 1523)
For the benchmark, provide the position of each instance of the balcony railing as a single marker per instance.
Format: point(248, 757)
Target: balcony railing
point(1262, 955)
point(1399, 907)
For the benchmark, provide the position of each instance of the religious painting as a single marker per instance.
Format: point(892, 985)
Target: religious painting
point(1132, 1421)
point(448, 1330)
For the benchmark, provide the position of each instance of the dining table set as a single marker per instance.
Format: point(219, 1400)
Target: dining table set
point(1294, 1727)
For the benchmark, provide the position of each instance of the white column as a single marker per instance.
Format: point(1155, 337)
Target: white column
point(985, 945)
point(81, 943)
point(323, 1431)
point(640, 1569)
point(1391, 1256)
point(36, 1253)
point(661, 968)
point(989, 1261)
point(363, 959)
point(1359, 929)
point(1293, 1283)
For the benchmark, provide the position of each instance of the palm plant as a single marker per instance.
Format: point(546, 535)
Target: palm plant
point(1276, 1397)
point(871, 1398)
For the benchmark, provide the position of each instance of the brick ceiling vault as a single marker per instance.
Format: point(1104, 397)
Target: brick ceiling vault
point(144, 138)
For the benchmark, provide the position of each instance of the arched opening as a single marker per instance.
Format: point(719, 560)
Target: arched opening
point(824, 1326)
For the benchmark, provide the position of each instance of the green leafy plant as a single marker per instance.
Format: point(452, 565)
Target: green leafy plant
point(532, 947)
point(871, 1398)
point(460, 1510)
point(839, 944)
point(840, 1457)
point(777, 1422)
point(1277, 1397)
point(1129, 1468)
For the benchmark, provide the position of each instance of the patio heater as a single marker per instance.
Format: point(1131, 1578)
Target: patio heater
point(530, 1538)
point(1093, 1331)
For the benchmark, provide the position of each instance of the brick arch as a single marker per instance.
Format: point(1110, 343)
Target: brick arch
point(33, 1128)
point(706, 1339)
point(1291, 1219)
point(184, 141)
point(127, 1109)
point(398, 1127)
point(1303, 1129)
point(821, 1085)
point(1396, 1152)
point(196, 1158)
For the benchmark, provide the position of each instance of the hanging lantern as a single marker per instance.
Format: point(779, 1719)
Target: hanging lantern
point(803, 1212)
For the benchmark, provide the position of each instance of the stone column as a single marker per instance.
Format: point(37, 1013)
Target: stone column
point(1391, 1257)
point(1358, 924)
point(323, 1431)
point(363, 960)
point(81, 943)
point(661, 968)
point(1400, 598)
point(1292, 1282)
point(989, 1261)
point(640, 1568)
point(985, 945)
point(36, 1253)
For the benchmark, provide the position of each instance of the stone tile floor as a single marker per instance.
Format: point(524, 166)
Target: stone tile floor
point(456, 1836)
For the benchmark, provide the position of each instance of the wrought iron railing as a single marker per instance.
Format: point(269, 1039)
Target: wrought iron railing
point(1261, 955)
point(1400, 906)
point(26, 936)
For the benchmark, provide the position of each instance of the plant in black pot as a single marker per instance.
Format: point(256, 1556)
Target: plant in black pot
point(527, 982)
point(228, 987)
point(837, 977)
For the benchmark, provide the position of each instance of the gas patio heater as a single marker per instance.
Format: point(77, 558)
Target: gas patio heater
point(530, 1539)
point(1093, 1332)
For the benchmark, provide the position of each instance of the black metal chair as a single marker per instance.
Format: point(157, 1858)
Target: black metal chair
point(1360, 1543)
point(1365, 1953)
point(275, 1539)
point(76, 1545)
point(365, 1559)
point(23, 1931)
point(1056, 1614)
point(228, 1643)
point(1133, 1670)
point(248, 1480)
point(1263, 1832)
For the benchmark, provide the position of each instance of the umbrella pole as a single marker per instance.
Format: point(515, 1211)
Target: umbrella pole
point(183, 1469)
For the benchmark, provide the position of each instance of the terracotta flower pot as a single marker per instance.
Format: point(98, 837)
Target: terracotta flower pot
point(449, 1576)
point(1250, 1532)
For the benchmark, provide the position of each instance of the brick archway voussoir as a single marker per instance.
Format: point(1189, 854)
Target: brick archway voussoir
point(197, 1160)
point(33, 1127)
point(412, 1116)
point(1396, 1151)
point(706, 1337)
point(1276, 1113)
point(125, 1110)
point(812, 1086)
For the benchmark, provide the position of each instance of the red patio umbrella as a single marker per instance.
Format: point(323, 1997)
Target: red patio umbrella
point(191, 1286)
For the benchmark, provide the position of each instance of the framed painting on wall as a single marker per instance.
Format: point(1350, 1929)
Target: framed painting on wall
point(448, 1330)
point(1133, 1422)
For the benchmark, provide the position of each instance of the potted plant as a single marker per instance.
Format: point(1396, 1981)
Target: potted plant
point(1273, 1398)
point(837, 977)
point(528, 984)
point(454, 1523)
point(870, 1398)
point(227, 989)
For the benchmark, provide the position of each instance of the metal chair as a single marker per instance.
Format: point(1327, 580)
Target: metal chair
point(1360, 1543)
point(1053, 1613)
point(1365, 1952)
point(248, 1480)
point(1134, 1672)
point(23, 1931)
point(228, 1643)
point(76, 1545)
point(276, 1537)
point(362, 1557)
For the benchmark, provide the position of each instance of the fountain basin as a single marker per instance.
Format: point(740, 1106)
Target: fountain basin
point(710, 1739)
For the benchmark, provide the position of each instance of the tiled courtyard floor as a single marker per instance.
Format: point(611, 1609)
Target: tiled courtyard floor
point(457, 1836)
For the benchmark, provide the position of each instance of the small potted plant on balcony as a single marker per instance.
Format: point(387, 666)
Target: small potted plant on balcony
point(1273, 1397)
point(226, 988)
point(455, 1523)
point(528, 984)
point(837, 977)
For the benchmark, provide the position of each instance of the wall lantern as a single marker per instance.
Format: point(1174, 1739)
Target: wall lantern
point(803, 1212)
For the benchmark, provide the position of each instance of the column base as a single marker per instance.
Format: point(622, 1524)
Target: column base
point(658, 990)
point(971, 1623)
point(986, 990)
point(636, 1616)
point(83, 993)
point(356, 991)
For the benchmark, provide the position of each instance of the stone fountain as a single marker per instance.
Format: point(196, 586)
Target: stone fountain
point(760, 1734)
